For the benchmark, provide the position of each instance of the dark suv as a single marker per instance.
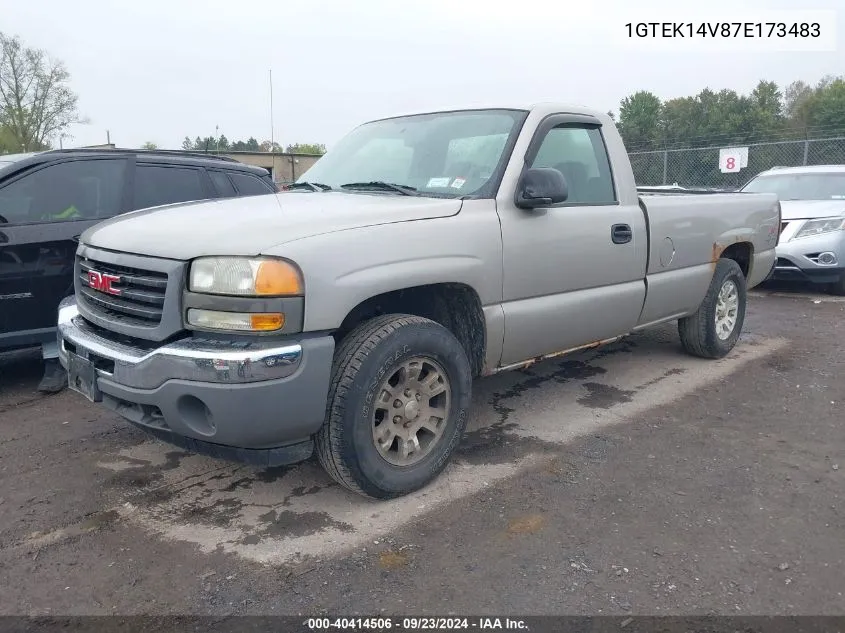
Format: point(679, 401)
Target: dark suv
point(48, 199)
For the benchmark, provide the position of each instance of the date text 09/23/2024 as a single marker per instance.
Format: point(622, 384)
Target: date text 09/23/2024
point(721, 30)
point(387, 623)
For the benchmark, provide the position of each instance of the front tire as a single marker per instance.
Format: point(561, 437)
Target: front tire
point(397, 406)
point(712, 332)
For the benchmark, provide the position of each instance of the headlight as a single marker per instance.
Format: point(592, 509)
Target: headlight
point(245, 277)
point(817, 227)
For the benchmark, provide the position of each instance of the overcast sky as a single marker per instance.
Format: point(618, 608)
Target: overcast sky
point(158, 70)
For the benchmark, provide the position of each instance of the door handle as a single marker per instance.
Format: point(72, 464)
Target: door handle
point(621, 233)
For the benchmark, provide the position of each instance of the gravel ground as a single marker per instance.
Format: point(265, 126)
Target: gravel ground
point(724, 499)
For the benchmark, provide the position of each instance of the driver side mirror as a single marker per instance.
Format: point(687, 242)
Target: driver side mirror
point(541, 187)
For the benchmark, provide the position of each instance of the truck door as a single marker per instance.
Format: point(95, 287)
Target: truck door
point(45, 210)
point(573, 272)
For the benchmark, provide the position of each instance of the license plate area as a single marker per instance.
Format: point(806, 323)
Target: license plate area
point(82, 377)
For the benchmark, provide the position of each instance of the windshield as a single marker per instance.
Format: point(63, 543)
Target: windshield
point(829, 186)
point(451, 154)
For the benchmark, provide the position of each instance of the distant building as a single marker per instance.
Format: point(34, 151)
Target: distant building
point(283, 167)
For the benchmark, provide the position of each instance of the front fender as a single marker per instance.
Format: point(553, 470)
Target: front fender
point(345, 268)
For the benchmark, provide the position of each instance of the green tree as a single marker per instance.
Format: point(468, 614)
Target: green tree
point(187, 144)
point(250, 145)
point(149, 145)
point(267, 146)
point(306, 148)
point(640, 120)
point(36, 102)
point(767, 116)
point(825, 107)
point(8, 143)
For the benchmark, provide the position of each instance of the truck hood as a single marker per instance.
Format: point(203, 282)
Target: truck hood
point(250, 226)
point(808, 209)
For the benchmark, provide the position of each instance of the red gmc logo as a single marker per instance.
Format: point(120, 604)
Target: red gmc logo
point(103, 282)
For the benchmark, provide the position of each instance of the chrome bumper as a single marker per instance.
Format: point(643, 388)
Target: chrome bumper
point(204, 360)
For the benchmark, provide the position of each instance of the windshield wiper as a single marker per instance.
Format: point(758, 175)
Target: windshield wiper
point(380, 185)
point(313, 186)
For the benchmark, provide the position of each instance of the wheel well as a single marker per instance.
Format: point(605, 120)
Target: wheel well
point(456, 307)
point(740, 252)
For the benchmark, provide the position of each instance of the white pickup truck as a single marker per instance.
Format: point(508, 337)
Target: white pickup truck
point(351, 314)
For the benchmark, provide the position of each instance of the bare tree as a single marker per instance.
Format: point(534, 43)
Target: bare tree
point(36, 103)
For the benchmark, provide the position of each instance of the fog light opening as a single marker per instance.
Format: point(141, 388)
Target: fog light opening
point(827, 258)
point(196, 415)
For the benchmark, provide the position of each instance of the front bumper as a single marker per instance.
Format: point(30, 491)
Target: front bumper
point(797, 258)
point(253, 401)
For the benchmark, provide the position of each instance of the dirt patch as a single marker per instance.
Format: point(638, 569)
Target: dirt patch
point(142, 473)
point(597, 448)
point(526, 525)
point(391, 560)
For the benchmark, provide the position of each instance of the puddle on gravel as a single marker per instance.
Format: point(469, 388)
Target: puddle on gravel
point(601, 396)
point(287, 524)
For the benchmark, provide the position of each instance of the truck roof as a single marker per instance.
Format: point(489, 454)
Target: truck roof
point(541, 108)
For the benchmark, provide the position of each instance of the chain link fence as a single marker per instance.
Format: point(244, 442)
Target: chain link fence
point(700, 167)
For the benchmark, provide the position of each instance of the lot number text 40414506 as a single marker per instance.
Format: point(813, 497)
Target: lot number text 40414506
point(417, 623)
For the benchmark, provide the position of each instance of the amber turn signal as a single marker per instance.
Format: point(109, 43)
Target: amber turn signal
point(267, 321)
point(275, 277)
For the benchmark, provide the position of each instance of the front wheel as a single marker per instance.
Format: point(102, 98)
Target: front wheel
point(714, 329)
point(397, 407)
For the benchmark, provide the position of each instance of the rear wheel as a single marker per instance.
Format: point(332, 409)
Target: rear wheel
point(714, 329)
point(397, 407)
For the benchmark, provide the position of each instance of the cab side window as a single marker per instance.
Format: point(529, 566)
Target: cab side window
point(249, 185)
point(222, 184)
point(64, 192)
point(157, 185)
point(580, 155)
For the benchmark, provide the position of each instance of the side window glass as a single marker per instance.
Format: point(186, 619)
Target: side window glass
point(63, 192)
point(155, 185)
point(248, 185)
point(222, 184)
point(579, 154)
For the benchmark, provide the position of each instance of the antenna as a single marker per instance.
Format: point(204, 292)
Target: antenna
point(272, 129)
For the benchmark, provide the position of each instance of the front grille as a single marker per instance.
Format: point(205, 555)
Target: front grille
point(137, 296)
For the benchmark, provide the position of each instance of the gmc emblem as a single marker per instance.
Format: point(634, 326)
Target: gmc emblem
point(103, 282)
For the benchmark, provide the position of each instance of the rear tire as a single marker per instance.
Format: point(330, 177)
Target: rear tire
point(712, 332)
point(397, 407)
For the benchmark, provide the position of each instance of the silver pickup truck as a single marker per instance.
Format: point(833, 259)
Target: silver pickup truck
point(350, 314)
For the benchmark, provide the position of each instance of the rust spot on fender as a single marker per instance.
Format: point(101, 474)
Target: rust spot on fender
point(718, 249)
